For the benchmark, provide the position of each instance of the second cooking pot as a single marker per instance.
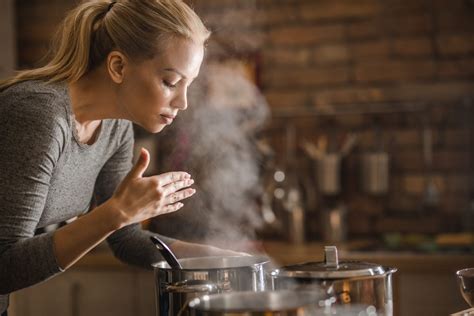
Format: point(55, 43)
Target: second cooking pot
point(206, 275)
point(349, 282)
point(272, 303)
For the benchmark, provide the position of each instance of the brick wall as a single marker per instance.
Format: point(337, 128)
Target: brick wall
point(395, 66)
point(410, 64)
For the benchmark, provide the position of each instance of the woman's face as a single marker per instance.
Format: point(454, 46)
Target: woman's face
point(153, 91)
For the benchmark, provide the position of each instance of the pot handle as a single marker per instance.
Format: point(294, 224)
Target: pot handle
point(191, 286)
point(390, 270)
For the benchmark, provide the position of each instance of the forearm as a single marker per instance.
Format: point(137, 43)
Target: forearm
point(73, 241)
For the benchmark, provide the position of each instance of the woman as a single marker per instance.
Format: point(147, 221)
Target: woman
point(66, 137)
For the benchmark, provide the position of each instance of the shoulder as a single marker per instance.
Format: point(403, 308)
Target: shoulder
point(34, 105)
point(122, 131)
point(37, 95)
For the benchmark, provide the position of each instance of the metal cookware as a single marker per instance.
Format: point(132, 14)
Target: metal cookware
point(375, 173)
point(262, 303)
point(268, 303)
point(206, 275)
point(349, 282)
point(166, 252)
point(466, 284)
point(329, 173)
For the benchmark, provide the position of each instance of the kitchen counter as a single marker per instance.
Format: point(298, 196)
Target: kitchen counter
point(425, 284)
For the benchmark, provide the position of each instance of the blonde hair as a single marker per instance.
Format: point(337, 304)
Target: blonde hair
point(137, 28)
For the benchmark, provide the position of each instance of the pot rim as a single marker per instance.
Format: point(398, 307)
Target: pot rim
point(257, 261)
point(374, 272)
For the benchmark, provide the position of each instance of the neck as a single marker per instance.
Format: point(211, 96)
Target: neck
point(93, 97)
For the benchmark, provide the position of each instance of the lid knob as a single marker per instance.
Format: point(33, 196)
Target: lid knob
point(330, 257)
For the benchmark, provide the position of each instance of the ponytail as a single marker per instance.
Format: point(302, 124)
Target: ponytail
point(95, 28)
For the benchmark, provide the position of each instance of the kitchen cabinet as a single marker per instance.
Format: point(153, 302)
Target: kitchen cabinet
point(88, 293)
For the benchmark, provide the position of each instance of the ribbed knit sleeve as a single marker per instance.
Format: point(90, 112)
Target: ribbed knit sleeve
point(31, 142)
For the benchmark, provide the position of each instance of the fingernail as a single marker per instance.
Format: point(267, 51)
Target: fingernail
point(191, 181)
point(193, 191)
point(187, 176)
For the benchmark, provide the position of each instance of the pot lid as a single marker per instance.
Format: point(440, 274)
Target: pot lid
point(215, 262)
point(332, 268)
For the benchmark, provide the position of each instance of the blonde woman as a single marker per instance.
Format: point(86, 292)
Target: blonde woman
point(66, 136)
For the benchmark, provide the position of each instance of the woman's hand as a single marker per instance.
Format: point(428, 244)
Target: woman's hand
point(139, 198)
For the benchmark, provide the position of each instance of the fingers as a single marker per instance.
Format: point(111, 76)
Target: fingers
point(179, 196)
point(170, 177)
point(141, 165)
point(171, 208)
point(176, 186)
point(173, 192)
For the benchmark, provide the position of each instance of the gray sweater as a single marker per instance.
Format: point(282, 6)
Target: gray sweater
point(47, 176)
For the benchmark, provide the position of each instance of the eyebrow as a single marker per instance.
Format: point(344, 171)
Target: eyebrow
point(176, 71)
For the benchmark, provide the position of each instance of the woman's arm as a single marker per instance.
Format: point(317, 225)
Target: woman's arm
point(73, 241)
point(136, 199)
point(32, 137)
point(131, 244)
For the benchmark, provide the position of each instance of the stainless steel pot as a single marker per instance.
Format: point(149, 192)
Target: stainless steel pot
point(281, 303)
point(174, 288)
point(251, 303)
point(348, 282)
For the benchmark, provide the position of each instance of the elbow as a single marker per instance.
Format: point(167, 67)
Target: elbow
point(6, 284)
point(5, 287)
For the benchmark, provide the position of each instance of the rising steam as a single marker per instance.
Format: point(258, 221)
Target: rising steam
point(214, 141)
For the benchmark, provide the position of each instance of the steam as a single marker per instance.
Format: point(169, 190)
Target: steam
point(237, 28)
point(214, 141)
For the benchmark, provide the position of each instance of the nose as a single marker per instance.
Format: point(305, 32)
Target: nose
point(180, 101)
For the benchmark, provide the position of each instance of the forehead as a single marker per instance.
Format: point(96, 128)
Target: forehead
point(181, 54)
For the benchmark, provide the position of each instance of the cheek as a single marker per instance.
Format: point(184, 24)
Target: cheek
point(159, 96)
point(151, 94)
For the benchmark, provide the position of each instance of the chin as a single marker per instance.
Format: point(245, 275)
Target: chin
point(156, 129)
point(152, 127)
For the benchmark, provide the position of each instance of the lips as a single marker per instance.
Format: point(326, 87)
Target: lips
point(167, 119)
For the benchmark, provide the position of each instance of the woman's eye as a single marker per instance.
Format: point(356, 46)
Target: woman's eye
point(168, 84)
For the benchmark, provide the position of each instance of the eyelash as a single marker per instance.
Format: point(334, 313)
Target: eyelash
point(169, 85)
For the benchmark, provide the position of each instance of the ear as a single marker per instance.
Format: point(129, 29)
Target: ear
point(116, 63)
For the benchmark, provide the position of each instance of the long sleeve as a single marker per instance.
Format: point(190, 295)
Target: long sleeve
point(31, 141)
point(131, 244)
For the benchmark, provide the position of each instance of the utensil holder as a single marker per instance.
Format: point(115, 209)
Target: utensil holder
point(329, 173)
point(375, 173)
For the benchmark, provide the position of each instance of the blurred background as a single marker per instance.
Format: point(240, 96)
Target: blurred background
point(397, 74)
point(316, 122)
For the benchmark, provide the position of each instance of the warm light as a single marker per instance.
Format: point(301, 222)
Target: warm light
point(279, 176)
